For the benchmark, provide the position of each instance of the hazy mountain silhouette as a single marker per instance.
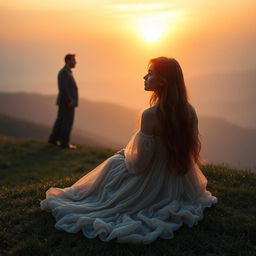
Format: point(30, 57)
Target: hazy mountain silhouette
point(230, 96)
point(14, 127)
point(224, 142)
point(111, 121)
point(112, 125)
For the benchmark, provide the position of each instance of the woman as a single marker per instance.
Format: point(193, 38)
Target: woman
point(153, 186)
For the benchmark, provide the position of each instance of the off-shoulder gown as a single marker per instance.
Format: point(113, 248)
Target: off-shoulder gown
point(131, 197)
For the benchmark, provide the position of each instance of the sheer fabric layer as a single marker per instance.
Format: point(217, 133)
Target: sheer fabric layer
point(131, 198)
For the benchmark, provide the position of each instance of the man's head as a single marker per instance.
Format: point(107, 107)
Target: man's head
point(70, 60)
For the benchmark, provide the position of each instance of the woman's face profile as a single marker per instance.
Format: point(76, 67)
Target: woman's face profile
point(151, 81)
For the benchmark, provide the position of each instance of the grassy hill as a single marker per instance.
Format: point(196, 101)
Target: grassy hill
point(29, 167)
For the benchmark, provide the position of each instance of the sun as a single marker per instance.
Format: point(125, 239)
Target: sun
point(153, 27)
point(151, 21)
point(151, 32)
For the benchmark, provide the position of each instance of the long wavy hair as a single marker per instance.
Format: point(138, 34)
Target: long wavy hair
point(177, 116)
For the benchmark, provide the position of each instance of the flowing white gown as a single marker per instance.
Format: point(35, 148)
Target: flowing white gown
point(131, 197)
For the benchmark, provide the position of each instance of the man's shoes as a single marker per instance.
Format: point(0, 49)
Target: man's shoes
point(70, 146)
point(54, 143)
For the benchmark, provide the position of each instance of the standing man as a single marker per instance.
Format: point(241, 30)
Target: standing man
point(67, 101)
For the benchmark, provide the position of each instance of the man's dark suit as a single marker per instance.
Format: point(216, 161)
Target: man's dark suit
point(67, 101)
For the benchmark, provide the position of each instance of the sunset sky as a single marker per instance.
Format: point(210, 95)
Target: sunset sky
point(114, 40)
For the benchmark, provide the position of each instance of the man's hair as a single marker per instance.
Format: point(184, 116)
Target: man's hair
point(69, 57)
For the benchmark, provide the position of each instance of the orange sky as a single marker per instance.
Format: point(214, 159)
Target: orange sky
point(112, 50)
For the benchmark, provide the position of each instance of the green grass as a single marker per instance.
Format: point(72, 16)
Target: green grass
point(29, 167)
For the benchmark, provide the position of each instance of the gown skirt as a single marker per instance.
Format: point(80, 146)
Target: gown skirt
point(131, 197)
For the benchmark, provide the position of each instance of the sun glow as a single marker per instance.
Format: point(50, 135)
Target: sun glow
point(153, 27)
point(151, 21)
point(151, 32)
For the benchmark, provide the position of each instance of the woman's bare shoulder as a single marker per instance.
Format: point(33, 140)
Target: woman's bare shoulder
point(150, 111)
point(148, 120)
point(192, 112)
point(192, 109)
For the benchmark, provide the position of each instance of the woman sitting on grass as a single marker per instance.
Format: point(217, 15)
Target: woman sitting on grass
point(153, 186)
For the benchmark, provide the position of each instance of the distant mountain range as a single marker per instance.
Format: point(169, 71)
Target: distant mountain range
point(230, 96)
point(223, 142)
point(18, 128)
point(111, 125)
point(113, 122)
